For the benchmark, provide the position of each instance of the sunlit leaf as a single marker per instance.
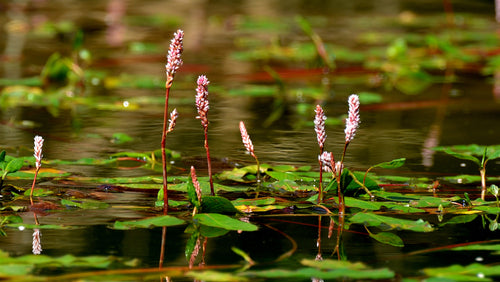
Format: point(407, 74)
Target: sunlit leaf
point(163, 220)
point(392, 164)
point(487, 209)
point(38, 192)
point(390, 223)
point(224, 221)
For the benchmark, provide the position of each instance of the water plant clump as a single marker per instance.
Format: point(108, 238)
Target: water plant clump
point(174, 61)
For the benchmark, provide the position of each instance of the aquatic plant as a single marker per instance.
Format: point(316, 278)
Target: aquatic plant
point(38, 162)
point(174, 61)
point(247, 142)
point(202, 105)
point(319, 127)
point(469, 152)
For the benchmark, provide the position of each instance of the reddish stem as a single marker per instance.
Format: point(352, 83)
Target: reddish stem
point(209, 163)
point(33, 186)
point(163, 141)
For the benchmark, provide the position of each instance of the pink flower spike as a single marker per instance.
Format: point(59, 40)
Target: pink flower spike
point(319, 126)
point(202, 104)
point(352, 122)
point(245, 138)
point(38, 151)
point(174, 60)
point(37, 243)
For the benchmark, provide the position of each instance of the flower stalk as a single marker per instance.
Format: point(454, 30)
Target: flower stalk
point(247, 142)
point(38, 162)
point(319, 127)
point(202, 105)
point(174, 61)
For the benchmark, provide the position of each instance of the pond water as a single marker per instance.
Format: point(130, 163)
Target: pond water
point(425, 69)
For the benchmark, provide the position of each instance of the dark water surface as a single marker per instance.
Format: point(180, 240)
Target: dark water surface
point(463, 112)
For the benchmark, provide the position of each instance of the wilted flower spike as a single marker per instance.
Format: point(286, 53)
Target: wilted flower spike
point(245, 138)
point(173, 120)
point(319, 126)
point(174, 60)
point(352, 122)
point(202, 104)
point(37, 243)
point(38, 151)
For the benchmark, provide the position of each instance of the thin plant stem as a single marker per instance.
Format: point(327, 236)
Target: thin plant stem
point(33, 185)
point(162, 250)
point(482, 172)
point(209, 163)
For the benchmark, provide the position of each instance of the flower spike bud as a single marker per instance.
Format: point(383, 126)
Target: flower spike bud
point(352, 122)
point(173, 120)
point(319, 126)
point(327, 161)
point(174, 60)
point(38, 151)
point(196, 184)
point(245, 138)
point(202, 104)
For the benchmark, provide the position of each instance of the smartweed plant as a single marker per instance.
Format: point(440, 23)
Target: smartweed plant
point(174, 61)
point(202, 106)
point(38, 162)
point(247, 142)
point(326, 159)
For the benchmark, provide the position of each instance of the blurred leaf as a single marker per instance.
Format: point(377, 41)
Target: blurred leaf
point(121, 138)
point(84, 203)
point(389, 223)
point(464, 272)
point(223, 221)
point(388, 238)
point(38, 192)
point(392, 164)
point(212, 275)
point(157, 221)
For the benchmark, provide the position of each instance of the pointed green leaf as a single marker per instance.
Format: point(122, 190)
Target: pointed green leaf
point(389, 223)
point(224, 221)
point(216, 204)
point(392, 164)
point(14, 165)
point(163, 220)
point(388, 238)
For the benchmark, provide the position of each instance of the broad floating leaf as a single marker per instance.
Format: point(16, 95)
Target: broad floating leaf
point(224, 221)
point(163, 220)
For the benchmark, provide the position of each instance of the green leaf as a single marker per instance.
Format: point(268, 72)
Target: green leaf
point(38, 192)
point(388, 238)
point(487, 209)
point(14, 165)
point(224, 221)
point(465, 273)
point(163, 220)
point(216, 204)
point(211, 275)
point(2, 156)
point(84, 203)
point(121, 138)
point(389, 223)
point(391, 164)
point(191, 191)
point(460, 219)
